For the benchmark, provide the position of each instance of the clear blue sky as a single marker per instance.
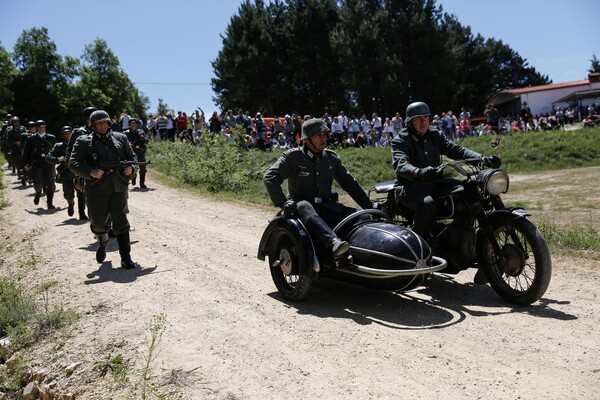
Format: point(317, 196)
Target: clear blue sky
point(174, 42)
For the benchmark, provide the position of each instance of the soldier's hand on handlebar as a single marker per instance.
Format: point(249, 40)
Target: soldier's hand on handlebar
point(428, 174)
point(492, 162)
point(289, 208)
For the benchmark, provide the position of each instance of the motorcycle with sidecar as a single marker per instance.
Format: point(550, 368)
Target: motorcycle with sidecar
point(473, 229)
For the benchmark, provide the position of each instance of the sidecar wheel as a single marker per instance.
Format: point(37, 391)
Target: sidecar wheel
point(289, 278)
point(525, 276)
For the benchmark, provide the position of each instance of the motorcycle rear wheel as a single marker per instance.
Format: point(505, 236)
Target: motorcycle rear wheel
point(525, 276)
point(289, 277)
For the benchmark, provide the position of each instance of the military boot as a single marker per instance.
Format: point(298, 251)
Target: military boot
point(71, 208)
point(322, 233)
point(49, 198)
point(102, 244)
point(125, 250)
point(81, 208)
point(36, 199)
point(143, 180)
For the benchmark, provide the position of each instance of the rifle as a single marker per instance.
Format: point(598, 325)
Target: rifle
point(115, 165)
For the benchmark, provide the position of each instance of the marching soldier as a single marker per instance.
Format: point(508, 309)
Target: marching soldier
point(34, 158)
point(14, 145)
point(137, 142)
point(105, 190)
point(58, 157)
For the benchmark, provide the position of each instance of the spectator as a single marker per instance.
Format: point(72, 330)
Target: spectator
point(215, 123)
point(376, 123)
point(526, 115)
point(181, 123)
point(397, 124)
point(170, 127)
point(337, 128)
point(161, 125)
point(492, 117)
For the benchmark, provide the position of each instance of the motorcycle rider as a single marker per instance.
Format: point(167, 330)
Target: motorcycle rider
point(310, 171)
point(416, 153)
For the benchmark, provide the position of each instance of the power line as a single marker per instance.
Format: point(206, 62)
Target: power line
point(171, 84)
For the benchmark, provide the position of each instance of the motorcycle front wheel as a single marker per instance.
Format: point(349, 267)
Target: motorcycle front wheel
point(290, 279)
point(525, 274)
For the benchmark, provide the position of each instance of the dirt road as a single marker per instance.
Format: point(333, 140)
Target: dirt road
point(229, 335)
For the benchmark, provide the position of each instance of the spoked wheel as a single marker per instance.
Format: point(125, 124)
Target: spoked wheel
point(291, 280)
point(525, 275)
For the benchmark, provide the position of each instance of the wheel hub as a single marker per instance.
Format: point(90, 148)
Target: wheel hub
point(515, 260)
point(285, 262)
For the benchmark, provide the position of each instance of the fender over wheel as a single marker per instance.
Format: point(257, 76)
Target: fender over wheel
point(292, 278)
point(525, 274)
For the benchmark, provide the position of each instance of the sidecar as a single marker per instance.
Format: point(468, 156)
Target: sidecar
point(382, 255)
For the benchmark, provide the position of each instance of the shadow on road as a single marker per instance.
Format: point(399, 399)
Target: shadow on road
point(442, 302)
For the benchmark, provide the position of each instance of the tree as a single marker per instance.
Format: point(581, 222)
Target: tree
point(41, 74)
point(595, 65)
point(7, 75)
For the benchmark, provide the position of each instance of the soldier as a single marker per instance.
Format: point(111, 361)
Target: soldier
point(310, 171)
point(58, 156)
point(105, 190)
point(34, 158)
point(137, 141)
point(14, 144)
point(3, 141)
point(31, 130)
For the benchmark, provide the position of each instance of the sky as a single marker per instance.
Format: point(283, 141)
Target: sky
point(166, 48)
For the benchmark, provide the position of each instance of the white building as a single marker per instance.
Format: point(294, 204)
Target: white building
point(544, 99)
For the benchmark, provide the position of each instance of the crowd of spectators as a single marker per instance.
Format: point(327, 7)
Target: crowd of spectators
point(267, 133)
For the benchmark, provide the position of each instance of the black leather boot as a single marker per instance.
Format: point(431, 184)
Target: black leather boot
point(71, 208)
point(49, 198)
point(125, 250)
point(81, 208)
point(321, 232)
point(143, 180)
point(102, 244)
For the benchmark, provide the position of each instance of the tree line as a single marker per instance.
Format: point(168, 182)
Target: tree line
point(37, 83)
point(311, 56)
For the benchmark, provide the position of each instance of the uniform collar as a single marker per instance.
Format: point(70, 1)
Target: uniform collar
point(310, 154)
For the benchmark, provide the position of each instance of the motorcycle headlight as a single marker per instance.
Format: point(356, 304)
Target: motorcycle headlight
point(493, 181)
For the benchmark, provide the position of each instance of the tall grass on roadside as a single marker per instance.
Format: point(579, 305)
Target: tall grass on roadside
point(569, 238)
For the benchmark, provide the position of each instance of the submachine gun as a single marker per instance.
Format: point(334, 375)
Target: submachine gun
point(118, 166)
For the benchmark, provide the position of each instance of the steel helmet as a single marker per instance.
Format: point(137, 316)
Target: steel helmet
point(40, 122)
point(66, 128)
point(416, 109)
point(99, 115)
point(312, 127)
point(88, 111)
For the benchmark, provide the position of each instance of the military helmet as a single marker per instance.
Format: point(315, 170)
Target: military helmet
point(15, 119)
point(30, 124)
point(66, 128)
point(99, 115)
point(88, 111)
point(40, 122)
point(132, 120)
point(417, 109)
point(312, 127)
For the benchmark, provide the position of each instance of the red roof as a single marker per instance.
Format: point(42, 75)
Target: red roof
point(548, 87)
